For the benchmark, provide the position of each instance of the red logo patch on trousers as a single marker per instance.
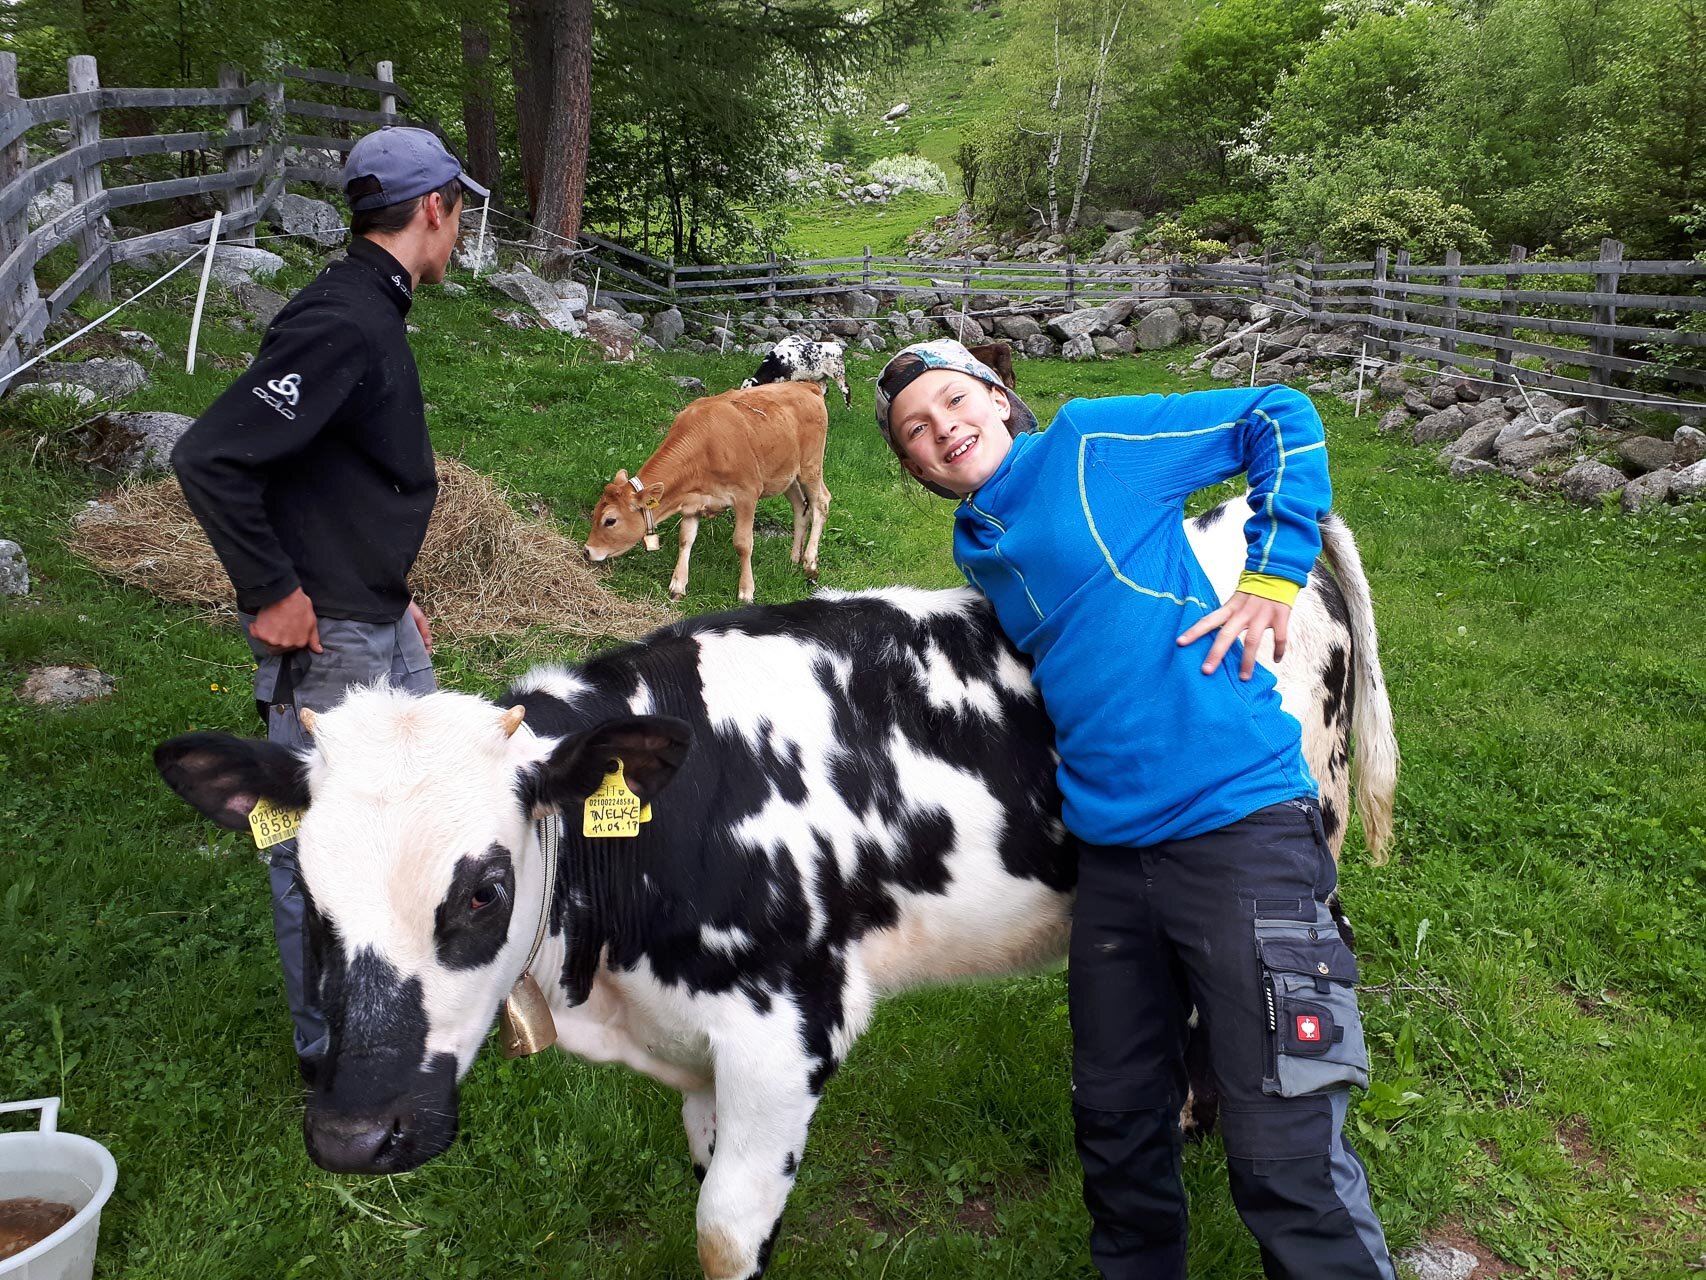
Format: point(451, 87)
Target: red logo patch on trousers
point(1308, 1027)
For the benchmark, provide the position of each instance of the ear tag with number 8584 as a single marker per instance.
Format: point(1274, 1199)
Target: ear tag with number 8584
point(273, 824)
point(614, 811)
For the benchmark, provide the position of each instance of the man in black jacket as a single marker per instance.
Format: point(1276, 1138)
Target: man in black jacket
point(313, 477)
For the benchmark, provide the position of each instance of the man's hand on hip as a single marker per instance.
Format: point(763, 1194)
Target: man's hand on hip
point(1244, 616)
point(419, 618)
point(288, 624)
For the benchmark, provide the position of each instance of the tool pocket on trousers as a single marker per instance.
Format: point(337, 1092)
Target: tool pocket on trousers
point(1314, 1031)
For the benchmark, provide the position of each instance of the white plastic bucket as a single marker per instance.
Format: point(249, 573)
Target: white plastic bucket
point(62, 1167)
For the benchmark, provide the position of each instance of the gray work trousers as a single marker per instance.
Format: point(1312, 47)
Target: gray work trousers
point(354, 653)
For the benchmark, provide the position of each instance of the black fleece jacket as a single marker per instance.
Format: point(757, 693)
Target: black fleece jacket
point(314, 469)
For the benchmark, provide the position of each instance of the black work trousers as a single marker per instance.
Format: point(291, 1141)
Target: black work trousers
point(1234, 923)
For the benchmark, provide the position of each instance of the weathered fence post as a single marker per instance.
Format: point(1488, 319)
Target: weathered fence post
point(1401, 291)
point(670, 279)
point(1605, 282)
point(770, 284)
point(1317, 302)
point(239, 201)
point(86, 178)
point(1071, 267)
point(387, 101)
point(1507, 317)
point(15, 302)
point(1380, 299)
point(1448, 346)
point(867, 276)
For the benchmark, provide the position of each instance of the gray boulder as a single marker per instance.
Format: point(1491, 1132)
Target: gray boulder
point(82, 397)
point(1442, 394)
point(1417, 403)
point(528, 289)
point(262, 303)
point(1106, 346)
point(1122, 220)
point(14, 569)
point(1017, 328)
point(1117, 246)
point(1392, 384)
point(1431, 1261)
point(1689, 483)
point(1039, 346)
point(1126, 340)
point(847, 327)
point(1586, 483)
point(64, 686)
point(859, 303)
point(310, 219)
point(1117, 312)
point(106, 377)
point(574, 293)
point(1525, 453)
point(1641, 454)
point(1394, 419)
point(454, 290)
point(235, 264)
point(1213, 329)
point(139, 342)
point(614, 335)
point(954, 325)
point(1485, 411)
point(1462, 467)
point(1082, 347)
point(1447, 424)
point(1525, 426)
point(470, 255)
point(666, 328)
point(1077, 324)
point(1646, 491)
point(687, 383)
point(1688, 445)
point(1475, 442)
point(133, 444)
point(1159, 329)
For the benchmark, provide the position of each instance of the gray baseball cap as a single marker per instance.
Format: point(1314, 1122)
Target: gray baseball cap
point(406, 163)
point(943, 353)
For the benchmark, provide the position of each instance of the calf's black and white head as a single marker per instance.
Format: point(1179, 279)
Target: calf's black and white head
point(424, 886)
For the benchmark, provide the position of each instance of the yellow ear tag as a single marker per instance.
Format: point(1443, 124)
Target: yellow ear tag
point(273, 825)
point(614, 811)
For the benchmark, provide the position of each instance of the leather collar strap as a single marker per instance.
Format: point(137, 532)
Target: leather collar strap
point(646, 510)
point(550, 832)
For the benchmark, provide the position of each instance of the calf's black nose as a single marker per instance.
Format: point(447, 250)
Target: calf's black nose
point(354, 1144)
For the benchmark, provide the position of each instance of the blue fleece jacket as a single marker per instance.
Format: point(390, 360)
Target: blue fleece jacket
point(1078, 541)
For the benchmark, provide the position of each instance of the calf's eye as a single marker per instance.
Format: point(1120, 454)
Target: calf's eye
point(609, 522)
point(484, 896)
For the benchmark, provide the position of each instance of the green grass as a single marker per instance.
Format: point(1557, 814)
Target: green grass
point(832, 229)
point(1532, 956)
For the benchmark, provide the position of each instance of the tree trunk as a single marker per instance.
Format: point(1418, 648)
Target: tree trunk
point(479, 119)
point(1092, 119)
point(562, 190)
point(1054, 147)
point(530, 62)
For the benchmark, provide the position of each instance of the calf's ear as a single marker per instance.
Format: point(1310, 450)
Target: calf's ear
point(225, 777)
point(651, 749)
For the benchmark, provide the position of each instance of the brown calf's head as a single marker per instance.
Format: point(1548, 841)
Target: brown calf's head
point(619, 519)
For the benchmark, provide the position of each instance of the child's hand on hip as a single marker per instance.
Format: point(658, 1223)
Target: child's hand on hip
point(1245, 617)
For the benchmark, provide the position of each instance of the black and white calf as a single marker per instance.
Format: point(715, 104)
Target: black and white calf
point(850, 795)
point(797, 359)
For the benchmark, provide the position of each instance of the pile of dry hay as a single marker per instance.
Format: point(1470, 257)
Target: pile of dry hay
point(483, 570)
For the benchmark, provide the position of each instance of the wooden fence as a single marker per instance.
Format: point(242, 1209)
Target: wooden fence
point(1482, 316)
point(259, 120)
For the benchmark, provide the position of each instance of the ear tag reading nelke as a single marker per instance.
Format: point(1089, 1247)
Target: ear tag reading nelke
point(273, 825)
point(614, 811)
point(527, 1023)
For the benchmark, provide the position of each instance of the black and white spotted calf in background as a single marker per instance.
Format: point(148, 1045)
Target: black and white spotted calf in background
point(851, 795)
point(797, 359)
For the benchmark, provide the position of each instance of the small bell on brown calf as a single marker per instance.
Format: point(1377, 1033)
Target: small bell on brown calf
point(652, 543)
point(527, 1023)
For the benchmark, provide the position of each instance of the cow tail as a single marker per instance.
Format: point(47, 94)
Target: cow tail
point(1374, 767)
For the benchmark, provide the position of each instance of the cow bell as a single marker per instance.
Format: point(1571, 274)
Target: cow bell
point(652, 543)
point(528, 1025)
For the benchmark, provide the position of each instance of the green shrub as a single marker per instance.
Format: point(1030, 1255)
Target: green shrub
point(910, 173)
point(1417, 219)
point(1086, 241)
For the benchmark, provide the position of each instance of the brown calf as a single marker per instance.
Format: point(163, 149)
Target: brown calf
point(999, 357)
point(724, 451)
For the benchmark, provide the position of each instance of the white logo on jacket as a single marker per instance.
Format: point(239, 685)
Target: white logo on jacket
point(283, 390)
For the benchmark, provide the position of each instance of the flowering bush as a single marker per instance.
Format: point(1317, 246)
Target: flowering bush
point(910, 173)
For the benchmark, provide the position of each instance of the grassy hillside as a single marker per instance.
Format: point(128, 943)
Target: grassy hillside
point(1531, 957)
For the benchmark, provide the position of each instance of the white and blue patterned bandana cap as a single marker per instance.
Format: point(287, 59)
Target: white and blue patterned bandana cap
point(942, 353)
